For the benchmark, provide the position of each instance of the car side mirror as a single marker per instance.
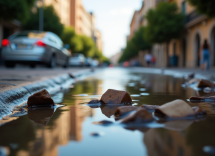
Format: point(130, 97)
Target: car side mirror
point(66, 46)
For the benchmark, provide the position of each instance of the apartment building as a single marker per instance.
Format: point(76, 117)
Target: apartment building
point(186, 49)
point(197, 29)
point(62, 8)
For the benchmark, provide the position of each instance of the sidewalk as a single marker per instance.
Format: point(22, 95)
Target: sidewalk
point(178, 72)
point(16, 85)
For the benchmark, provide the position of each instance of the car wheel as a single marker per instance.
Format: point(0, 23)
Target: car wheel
point(66, 63)
point(33, 65)
point(9, 65)
point(52, 62)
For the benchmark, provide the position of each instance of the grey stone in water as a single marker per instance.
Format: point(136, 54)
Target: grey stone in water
point(95, 134)
point(207, 90)
point(209, 150)
point(94, 102)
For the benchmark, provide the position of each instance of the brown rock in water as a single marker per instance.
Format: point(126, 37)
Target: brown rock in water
point(175, 109)
point(205, 83)
point(120, 111)
point(193, 98)
point(139, 116)
point(201, 99)
point(112, 96)
point(41, 98)
point(40, 115)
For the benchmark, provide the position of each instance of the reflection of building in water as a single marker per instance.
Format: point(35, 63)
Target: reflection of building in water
point(77, 116)
point(166, 143)
point(68, 126)
point(170, 85)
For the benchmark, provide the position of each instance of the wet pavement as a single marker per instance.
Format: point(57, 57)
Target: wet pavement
point(69, 130)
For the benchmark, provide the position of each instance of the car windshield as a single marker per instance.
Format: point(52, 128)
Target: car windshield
point(34, 35)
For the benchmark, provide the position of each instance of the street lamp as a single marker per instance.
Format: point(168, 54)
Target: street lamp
point(41, 16)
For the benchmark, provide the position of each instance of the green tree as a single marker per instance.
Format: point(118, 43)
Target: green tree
point(15, 9)
point(204, 6)
point(137, 43)
point(88, 46)
point(51, 21)
point(164, 23)
point(69, 37)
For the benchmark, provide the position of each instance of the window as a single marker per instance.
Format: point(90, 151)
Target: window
point(183, 7)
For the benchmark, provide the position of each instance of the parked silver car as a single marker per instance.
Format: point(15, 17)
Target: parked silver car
point(34, 47)
point(77, 60)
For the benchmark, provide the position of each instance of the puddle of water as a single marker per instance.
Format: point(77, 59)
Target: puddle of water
point(70, 130)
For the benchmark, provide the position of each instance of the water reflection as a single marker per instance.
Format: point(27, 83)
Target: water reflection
point(68, 129)
point(40, 115)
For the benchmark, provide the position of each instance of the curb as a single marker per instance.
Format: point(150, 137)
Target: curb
point(18, 95)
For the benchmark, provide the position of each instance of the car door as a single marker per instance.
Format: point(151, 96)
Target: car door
point(61, 56)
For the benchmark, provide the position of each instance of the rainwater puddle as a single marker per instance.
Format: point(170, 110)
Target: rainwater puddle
point(70, 129)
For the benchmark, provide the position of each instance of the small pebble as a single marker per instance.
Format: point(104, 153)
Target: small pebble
point(209, 150)
point(134, 95)
point(207, 90)
point(144, 94)
point(96, 134)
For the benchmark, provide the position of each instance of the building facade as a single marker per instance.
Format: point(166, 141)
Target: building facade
point(197, 29)
point(84, 22)
point(62, 8)
point(186, 49)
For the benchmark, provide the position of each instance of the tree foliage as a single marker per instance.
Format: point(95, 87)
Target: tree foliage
point(88, 48)
point(82, 44)
point(164, 23)
point(69, 37)
point(51, 21)
point(204, 6)
point(15, 9)
point(137, 43)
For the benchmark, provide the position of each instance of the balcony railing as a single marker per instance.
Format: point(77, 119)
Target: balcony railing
point(192, 16)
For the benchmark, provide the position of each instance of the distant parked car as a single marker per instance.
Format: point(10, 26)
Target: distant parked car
point(34, 47)
point(88, 61)
point(77, 60)
point(95, 63)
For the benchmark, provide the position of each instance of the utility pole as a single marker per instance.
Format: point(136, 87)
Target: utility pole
point(41, 16)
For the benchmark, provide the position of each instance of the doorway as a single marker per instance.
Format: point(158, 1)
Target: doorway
point(213, 45)
point(197, 48)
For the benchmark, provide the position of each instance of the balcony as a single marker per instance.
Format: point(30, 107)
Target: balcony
point(193, 18)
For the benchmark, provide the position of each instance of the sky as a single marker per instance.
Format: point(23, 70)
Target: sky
point(113, 18)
